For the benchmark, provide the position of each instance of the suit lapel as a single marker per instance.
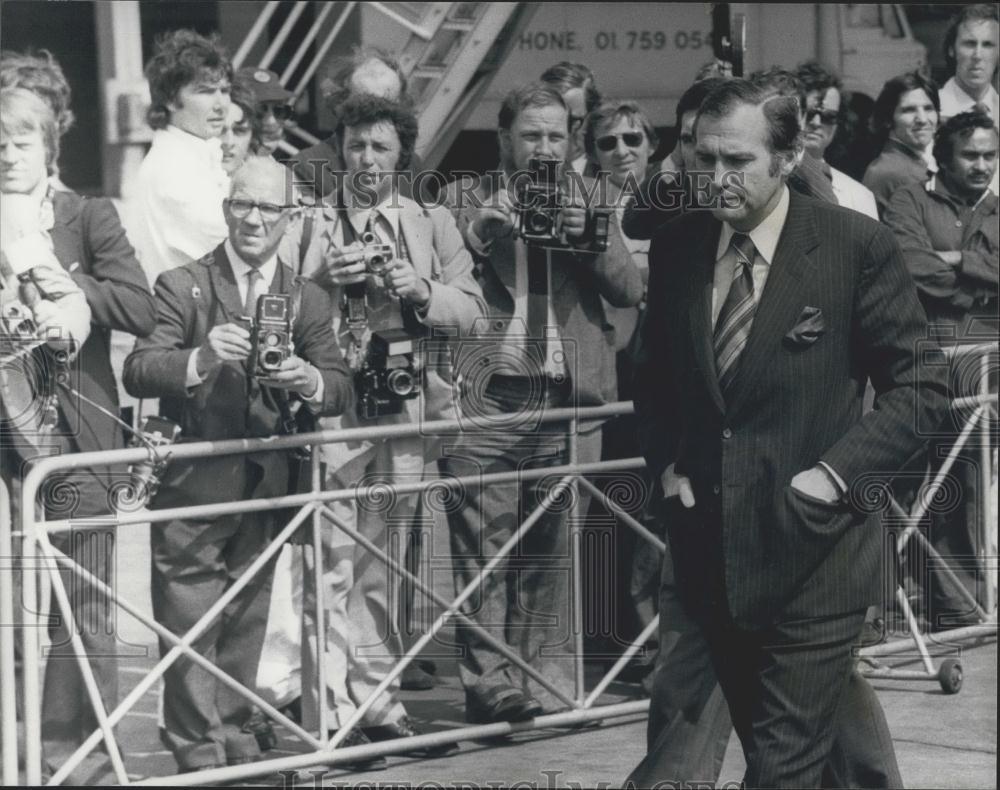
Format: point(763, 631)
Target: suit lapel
point(418, 231)
point(780, 303)
point(66, 239)
point(224, 283)
point(700, 312)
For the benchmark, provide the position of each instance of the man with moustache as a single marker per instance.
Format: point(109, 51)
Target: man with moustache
point(180, 185)
point(755, 427)
point(196, 363)
point(545, 347)
point(948, 231)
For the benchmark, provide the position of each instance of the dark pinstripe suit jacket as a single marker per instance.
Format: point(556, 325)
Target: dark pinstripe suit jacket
point(770, 551)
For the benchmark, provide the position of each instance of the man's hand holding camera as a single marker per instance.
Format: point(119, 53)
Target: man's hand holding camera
point(493, 221)
point(344, 266)
point(402, 279)
point(295, 375)
point(573, 217)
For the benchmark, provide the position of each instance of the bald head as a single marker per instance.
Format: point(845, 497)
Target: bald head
point(259, 208)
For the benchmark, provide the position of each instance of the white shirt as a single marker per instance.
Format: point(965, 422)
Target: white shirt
point(177, 198)
point(241, 270)
point(765, 239)
point(853, 194)
point(955, 100)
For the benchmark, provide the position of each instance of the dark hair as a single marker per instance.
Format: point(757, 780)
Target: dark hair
point(338, 85)
point(780, 111)
point(609, 111)
point(777, 81)
point(41, 74)
point(363, 110)
point(534, 94)
point(958, 127)
point(980, 12)
point(692, 98)
point(180, 58)
point(816, 78)
point(242, 95)
point(892, 92)
point(566, 76)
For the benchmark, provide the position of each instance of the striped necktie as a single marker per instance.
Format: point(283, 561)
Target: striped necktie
point(732, 329)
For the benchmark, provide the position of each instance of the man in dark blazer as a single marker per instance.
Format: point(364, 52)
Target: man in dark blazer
point(196, 363)
point(85, 238)
point(755, 428)
point(537, 299)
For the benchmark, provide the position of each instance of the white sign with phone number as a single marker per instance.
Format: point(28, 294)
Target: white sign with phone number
point(643, 40)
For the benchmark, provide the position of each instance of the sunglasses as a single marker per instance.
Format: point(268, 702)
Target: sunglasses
point(826, 117)
point(610, 141)
point(281, 112)
point(241, 209)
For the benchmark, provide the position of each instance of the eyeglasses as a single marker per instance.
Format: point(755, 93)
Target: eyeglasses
point(610, 141)
point(269, 212)
point(826, 117)
point(281, 112)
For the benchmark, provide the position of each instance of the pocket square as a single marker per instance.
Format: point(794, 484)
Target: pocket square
point(808, 328)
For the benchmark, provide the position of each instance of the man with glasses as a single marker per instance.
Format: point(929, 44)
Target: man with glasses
point(273, 108)
point(198, 362)
point(824, 111)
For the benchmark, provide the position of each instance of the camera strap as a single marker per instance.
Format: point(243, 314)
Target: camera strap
point(355, 301)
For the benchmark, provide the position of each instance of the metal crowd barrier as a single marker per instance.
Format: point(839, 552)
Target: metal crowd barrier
point(38, 554)
point(949, 673)
point(583, 707)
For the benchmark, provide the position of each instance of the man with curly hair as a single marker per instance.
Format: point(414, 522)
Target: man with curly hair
point(180, 186)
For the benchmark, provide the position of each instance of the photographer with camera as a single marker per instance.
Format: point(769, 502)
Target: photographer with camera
point(69, 268)
point(218, 379)
point(546, 345)
point(396, 271)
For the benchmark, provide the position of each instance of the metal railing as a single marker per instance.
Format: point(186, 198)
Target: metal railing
point(312, 504)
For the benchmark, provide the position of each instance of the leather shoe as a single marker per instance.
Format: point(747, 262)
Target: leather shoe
point(357, 738)
point(505, 705)
point(404, 728)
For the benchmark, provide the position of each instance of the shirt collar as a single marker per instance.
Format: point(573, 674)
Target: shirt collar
point(989, 98)
point(939, 186)
point(765, 236)
point(241, 267)
point(389, 209)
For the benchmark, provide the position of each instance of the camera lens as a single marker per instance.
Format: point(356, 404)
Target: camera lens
point(272, 339)
point(271, 359)
point(538, 222)
point(400, 383)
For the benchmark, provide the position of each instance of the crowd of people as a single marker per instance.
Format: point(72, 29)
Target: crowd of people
point(758, 290)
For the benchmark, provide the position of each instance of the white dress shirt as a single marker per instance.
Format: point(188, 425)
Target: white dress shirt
point(853, 194)
point(177, 200)
point(241, 270)
point(955, 100)
point(765, 239)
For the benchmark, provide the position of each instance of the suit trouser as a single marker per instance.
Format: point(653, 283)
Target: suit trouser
point(360, 596)
point(524, 603)
point(689, 722)
point(194, 563)
point(68, 717)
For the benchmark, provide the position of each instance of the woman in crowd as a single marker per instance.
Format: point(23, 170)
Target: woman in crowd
point(905, 118)
point(241, 134)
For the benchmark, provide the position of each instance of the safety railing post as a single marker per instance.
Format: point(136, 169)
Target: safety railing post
point(576, 530)
point(986, 560)
point(8, 681)
point(320, 619)
point(30, 644)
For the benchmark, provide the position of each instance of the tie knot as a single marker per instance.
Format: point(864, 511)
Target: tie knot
point(981, 108)
point(253, 275)
point(742, 244)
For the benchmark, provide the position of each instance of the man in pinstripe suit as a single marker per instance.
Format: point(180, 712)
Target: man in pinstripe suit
point(766, 318)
